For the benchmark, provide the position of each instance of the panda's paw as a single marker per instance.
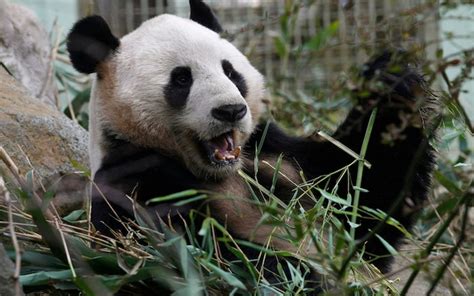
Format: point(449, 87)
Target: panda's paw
point(391, 76)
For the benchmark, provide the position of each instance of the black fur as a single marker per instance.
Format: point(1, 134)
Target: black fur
point(235, 77)
point(89, 43)
point(391, 162)
point(202, 14)
point(178, 88)
point(128, 170)
point(390, 62)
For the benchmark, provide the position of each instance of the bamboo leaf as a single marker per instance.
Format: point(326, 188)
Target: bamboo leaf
point(333, 197)
point(173, 196)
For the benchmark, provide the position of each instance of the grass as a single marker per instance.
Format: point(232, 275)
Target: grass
point(60, 254)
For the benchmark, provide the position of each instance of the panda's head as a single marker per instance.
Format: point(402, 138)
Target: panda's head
point(174, 85)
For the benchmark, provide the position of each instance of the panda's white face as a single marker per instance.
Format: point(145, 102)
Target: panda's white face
point(184, 90)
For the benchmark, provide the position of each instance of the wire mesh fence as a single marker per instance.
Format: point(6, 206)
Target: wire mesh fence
point(253, 26)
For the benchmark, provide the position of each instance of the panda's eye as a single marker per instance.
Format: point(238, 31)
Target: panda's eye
point(229, 73)
point(228, 69)
point(235, 77)
point(181, 77)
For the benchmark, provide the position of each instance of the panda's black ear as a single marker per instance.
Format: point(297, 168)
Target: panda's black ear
point(89, 43)
point(202, 14)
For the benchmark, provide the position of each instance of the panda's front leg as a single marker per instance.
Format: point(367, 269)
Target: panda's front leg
point(130, 174)
point(401, 157)
point(399, 150)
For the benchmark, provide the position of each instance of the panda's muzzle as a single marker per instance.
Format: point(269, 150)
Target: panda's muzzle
point(222, 150)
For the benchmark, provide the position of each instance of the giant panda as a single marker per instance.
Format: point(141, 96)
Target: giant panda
point(175, 106)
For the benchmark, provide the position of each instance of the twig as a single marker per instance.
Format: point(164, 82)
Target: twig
point(461, 52)
point(11, 226)
point(21, 182)
point(466, 266)
point(454, 91)
point(27, 158)
point(68, 98)
point(66, 250)
point(453, 252)
point(8, 162)
point(6, 69)
point(54, 52)
point(401, 269)
point(425, 253)
point(344, 148)
point(50, 234)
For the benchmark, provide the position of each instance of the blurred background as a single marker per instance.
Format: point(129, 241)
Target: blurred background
point(329, 36)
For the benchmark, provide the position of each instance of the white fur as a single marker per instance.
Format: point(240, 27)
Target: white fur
point(95, 151)
point(152, 51)
point(143, 65)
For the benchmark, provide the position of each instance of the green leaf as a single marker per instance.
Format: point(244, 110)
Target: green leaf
point(321, 38)
point(38, 260)
point(444, 207)
point(78, 102)
point(439, 53)
point(353, 225)
point(227, 276)
point(276, 173)
point(45, 277)
point(333, 197)
point(205, 227)
point(81, 168)
point(177, 195)
point(447, 183)
point(280, 46)
point(184, 259)
point(388, 246)
point(262, 139)
point(74, 216)
point(190, 200)
point(284, 20)
point(360, 189)
point(380, 215)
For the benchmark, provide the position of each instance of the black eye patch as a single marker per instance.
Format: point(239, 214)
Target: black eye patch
point(235, 77)
point(178, 87)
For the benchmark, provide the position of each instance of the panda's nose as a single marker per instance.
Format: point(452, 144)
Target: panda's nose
point(229, 113)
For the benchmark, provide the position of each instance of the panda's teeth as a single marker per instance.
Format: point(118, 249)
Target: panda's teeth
point(224, 148)
point(236, 151)
point(218, 155)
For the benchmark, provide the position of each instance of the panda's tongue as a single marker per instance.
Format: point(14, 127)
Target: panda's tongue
point(223, 147)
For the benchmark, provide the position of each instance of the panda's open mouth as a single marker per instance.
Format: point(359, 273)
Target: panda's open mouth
point(222, 150)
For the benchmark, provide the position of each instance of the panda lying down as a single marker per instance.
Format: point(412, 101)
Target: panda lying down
point(174, 106)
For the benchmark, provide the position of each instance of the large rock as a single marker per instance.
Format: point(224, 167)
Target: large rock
point(39, 137)
point(25, 50)
point(7, 282)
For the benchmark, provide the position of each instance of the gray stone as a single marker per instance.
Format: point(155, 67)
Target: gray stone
point(40, 138)
point(25, 50)
point(7, 282)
